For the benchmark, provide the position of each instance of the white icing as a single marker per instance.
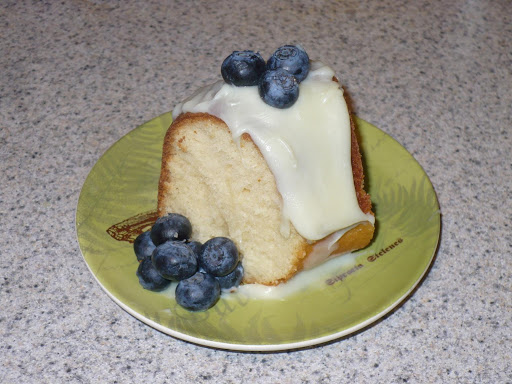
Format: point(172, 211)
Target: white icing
point(306, 280)
point(307, 147)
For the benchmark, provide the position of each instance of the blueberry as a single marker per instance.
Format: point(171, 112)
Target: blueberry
point(198, 293)
point(174, 260)
point(149, 277)
point(170, 227)
point(232, 279)
point(218, 256)
point(143, 246)
point(292, 59)
point(196, 247)
point(278, 88)
point(243, 68)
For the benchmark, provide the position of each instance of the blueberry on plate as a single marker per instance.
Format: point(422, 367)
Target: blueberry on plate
point(143, 246)
point(174, 260)
point(149, 277)
point(172, 226)
point(242, 68)
point(232, 279)
point(198, 293)
point(219, 256)
point(278, 88)
point(291, 58)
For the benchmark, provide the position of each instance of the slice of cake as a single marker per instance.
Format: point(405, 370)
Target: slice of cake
point(285, 184)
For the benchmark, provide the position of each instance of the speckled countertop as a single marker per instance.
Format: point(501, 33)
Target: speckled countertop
point(77, 75)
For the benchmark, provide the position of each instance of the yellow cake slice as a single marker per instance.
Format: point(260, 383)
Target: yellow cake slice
point(287, 186)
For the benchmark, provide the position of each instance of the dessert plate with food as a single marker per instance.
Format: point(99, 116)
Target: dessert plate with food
point(260, 214)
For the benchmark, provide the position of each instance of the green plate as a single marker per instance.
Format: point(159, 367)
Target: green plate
point(118, 201)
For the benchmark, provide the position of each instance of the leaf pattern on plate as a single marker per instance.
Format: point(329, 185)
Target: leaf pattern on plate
point(409, 209)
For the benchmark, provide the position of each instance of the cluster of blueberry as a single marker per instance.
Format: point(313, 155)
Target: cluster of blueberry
point(277, 80)
point(166, 254)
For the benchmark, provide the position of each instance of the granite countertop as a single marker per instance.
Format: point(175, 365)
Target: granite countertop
point(78, 75)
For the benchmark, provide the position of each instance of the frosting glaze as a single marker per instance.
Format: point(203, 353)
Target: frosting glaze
point(307, 147)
